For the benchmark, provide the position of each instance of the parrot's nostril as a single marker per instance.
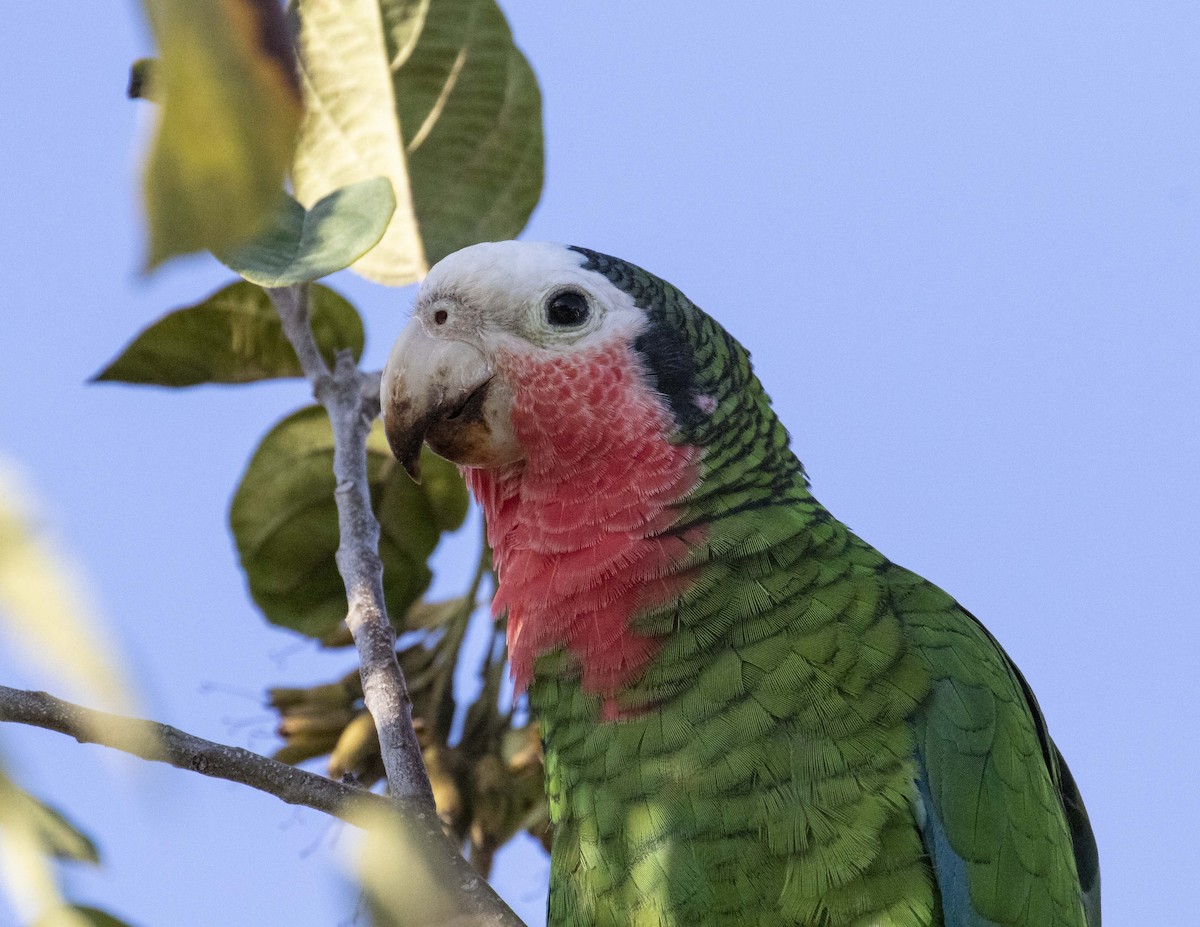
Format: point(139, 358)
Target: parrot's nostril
point(439, 317)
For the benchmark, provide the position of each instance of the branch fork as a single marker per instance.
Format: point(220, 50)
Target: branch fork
point(447, 890)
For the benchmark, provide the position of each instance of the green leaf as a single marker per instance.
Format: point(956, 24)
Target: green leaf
point(284, 521)
point(448, 494)
point(34, 835)
point(435, 97)
point(61, 838)
point(227, 126)
point(300, 245)
point(53, 833)
point(233, 336)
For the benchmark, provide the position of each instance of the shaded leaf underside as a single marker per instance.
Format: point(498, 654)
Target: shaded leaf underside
point(284, 521)
point(232, 336)
point(301, 245)
point(435, 97)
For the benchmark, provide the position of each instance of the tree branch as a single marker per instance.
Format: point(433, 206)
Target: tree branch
point(351, 399)
point(342, 393)
point(165, 744)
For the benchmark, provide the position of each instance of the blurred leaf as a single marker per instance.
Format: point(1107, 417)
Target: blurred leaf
point(233, 336)
point(300, 245)
point(227, 126)
point(143, 83)
point(284, 521)
point(406, 882)
point(315, 722)
point(298, 749)
point(422, 666)
point(43, 604)
point(61, 838)
point(338, 637)
point(435, 97)
point(346, 691)
point(56, 836)
point(447, 778)
point(80, 916)
point(26, 851)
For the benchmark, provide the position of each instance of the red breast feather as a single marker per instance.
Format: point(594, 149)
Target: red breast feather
point(581, 528)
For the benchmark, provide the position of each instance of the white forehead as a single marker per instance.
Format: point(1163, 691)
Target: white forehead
point(518, 268)
point(502, 280)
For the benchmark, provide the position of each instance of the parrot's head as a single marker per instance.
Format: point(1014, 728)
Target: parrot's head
point(498, 328)
point(585, 401)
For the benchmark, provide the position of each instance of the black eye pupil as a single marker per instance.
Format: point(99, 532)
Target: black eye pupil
point(567, 308)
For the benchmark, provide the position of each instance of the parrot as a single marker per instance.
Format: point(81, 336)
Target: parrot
point(749, 715)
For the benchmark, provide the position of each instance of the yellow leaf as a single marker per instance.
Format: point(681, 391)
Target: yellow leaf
point(231, 107)
point(26, 870)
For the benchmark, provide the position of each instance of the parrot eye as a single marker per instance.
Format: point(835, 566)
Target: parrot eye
point(567, 308)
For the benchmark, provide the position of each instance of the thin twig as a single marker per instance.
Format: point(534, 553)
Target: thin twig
point(456, 632)
point(165, 744)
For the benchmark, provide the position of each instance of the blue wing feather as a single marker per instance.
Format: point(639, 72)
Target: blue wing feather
point(949, 869)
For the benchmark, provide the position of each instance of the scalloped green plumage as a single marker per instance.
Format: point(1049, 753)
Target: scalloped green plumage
point(819, 736)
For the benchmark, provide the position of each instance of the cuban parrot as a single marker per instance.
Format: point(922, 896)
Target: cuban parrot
point(750, 716)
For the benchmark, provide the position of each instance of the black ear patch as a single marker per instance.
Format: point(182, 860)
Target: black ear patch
point(668, 355)
point(671, 364)
point(709, 384)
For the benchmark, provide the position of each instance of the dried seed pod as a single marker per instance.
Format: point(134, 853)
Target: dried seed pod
point(355, 748)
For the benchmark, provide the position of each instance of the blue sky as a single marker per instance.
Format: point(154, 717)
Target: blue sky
point(961, 242)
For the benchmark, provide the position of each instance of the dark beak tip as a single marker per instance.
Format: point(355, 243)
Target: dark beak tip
point(405, 444)
point(409, 455)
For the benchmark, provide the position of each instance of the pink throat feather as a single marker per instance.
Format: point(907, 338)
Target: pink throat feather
point(579, 527)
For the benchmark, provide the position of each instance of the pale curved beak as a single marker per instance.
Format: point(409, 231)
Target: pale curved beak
point(444, 392)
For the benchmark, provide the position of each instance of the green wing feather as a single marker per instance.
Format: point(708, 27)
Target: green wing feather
point(1016, 844)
